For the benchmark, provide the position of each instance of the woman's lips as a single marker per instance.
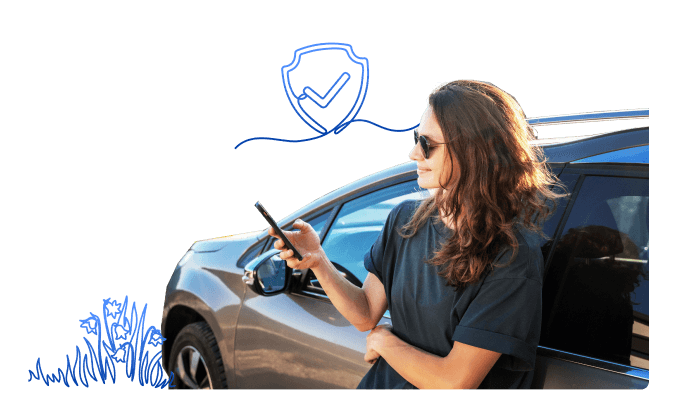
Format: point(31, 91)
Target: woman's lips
point(421, 171)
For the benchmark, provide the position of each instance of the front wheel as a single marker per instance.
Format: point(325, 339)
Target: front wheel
point(196, 360)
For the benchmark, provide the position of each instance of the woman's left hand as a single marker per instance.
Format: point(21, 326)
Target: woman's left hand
point(375, 340)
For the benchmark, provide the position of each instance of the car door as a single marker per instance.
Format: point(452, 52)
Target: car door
point(299, 339)
point(595, 330)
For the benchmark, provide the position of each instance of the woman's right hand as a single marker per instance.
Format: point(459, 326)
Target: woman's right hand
point(306, 241)
point(363, 307)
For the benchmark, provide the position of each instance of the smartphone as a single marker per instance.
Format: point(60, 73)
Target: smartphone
point(277, 230)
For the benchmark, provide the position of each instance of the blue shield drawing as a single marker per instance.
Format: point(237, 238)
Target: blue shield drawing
point(326, 85)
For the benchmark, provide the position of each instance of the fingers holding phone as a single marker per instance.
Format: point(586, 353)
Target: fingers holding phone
point(306, 242)
point(285, 253)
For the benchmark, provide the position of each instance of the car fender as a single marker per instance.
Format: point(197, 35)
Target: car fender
point(207, 294)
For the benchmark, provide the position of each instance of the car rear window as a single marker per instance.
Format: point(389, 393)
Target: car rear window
point(596, 291)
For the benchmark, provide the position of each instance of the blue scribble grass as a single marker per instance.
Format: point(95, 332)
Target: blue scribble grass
point(126, 342)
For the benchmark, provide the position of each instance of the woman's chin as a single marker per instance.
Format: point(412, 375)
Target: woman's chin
point(425, 183)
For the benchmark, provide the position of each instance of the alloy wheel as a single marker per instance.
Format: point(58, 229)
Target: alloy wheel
point(191, 369)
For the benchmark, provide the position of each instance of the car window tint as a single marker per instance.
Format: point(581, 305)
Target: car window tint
point(360, 222)
point(597, 288)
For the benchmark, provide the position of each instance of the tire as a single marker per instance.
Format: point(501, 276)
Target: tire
point(196, 344)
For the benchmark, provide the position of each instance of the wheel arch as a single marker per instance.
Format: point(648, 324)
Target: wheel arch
point(177, 318)
point(183, 308)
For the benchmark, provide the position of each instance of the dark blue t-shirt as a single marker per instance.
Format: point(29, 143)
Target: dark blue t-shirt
point(501, 312)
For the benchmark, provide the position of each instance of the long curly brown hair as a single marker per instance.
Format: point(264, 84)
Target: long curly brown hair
point(503, 179)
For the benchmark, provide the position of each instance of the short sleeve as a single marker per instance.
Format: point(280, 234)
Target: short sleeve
point(505, 317)
point(374, 257)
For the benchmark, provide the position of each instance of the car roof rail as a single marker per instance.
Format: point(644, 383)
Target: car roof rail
point(590, 117)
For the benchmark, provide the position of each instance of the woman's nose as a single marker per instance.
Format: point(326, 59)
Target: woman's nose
point(416, 153)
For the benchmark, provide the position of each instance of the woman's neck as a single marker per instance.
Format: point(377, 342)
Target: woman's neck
point(449, 219)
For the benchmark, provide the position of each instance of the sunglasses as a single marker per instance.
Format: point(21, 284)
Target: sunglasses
point(425, 146)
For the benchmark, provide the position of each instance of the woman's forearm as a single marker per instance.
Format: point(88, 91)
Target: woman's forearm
point(350, 300)
point(464, 367)
point(421, 368)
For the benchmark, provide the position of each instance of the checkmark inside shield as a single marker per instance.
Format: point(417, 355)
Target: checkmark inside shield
point(324, 100)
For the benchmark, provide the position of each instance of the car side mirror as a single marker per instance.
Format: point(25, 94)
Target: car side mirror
point(268, 274)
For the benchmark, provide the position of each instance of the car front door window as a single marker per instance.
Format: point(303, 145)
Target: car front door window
point(359, 223)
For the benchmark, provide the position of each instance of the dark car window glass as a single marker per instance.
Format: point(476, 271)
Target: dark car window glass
point(639, 154)
point(360, 222)
point(550, 225)
point(596, 289)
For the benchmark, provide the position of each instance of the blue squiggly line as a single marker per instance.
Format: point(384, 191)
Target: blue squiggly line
point(374, 124)
point(336, 130)
point(150, 372)
point(281, 139)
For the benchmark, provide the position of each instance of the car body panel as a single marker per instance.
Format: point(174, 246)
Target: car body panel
point(216, 244)
point(575, 150)
point(298, 342)
point(555, 373)
point(636, 154)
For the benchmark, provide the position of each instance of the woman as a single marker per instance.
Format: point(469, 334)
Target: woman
point(461, 272)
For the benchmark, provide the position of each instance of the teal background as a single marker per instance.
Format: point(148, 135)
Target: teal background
point(118, 122)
